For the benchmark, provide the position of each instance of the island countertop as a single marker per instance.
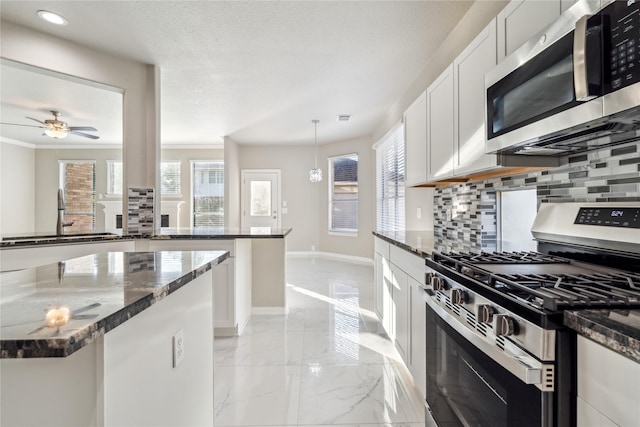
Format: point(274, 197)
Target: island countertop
point(10, 241)
point(100, 291)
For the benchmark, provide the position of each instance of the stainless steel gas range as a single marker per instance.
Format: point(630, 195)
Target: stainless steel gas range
point(498, 353)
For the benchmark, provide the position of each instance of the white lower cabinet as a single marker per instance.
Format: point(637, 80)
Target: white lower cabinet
point(400, 306)
point(232, 280)
point(400, 296)
point(608, 387)
point(418, 348)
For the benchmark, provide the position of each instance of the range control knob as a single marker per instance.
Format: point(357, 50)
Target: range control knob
point(438, 283)
point(427, 278)
point(485, 313)
point(504, 326)
point(459, 296)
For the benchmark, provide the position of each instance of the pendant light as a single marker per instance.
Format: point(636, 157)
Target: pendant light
point(315, 174)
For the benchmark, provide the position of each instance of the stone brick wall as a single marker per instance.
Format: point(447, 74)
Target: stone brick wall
point(79, 194)
point(607, 175)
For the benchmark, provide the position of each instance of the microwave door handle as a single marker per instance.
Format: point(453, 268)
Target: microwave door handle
point(580, 81)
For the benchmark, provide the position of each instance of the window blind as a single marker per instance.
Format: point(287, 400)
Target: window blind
point(170, 178)
point(390, 165)
point(114, 177)
point(208, 194)
point(343, 193)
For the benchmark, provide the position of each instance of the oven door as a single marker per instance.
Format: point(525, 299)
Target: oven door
point(465, 387)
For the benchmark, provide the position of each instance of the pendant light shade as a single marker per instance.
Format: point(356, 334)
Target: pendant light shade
point(315, 174)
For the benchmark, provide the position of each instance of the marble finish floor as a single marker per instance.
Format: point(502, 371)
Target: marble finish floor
point(328, 362)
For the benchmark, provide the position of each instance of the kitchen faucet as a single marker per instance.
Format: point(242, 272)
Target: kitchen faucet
point(61, 208)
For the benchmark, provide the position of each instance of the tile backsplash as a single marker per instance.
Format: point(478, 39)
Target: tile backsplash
point(465, 215)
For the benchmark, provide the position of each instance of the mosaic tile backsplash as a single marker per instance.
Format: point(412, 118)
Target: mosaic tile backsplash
point(140, 211)
point(465, 215)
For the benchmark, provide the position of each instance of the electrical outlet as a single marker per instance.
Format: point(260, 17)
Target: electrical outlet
point(285, 210)
point(178, 347)
point(419, 213)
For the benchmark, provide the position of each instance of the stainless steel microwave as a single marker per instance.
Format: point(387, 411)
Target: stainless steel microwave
point(574, 88)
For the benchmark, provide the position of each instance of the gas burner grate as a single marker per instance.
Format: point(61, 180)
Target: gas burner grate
point(555, 292)
point(503, 258)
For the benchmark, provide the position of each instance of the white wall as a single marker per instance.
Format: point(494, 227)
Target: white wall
point(231, 184)
point(47, 182)
point(362, 245)
point(300, 194)
point(139, 81)
point(17, 189)
point(478, 16)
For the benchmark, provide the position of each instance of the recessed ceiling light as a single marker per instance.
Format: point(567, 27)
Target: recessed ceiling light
point(344, 117)
point(53, 18)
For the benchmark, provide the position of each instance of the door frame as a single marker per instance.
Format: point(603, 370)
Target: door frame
point(243, 175)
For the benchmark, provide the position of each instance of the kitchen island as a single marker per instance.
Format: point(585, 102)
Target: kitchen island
point(253, 279)
point(109, 339)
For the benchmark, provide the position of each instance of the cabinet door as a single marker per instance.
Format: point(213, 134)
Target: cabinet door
point(521, 20)
point(608, 383)
point(440, 113)
point(469, 69)
point(378, 284)
point(415, 138)
point(401, 310)
point(418, 356)
point(223, 295)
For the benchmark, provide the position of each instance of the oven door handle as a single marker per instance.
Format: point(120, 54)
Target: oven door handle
point(514, 360)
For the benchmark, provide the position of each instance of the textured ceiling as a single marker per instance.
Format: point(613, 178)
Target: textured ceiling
point(260, 71)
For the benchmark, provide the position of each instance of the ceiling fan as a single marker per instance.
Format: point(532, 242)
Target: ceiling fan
point(56, 128)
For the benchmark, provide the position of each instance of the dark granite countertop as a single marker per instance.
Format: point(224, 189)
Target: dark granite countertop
point(41, 239)
point(101, 292)
point(618, 330)
point(417, 242)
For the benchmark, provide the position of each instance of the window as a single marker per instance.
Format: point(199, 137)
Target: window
point(343, 194)
point(390, 180)
point(207, 193)
point(169, 178)
point(114, 178)
point(78, 181)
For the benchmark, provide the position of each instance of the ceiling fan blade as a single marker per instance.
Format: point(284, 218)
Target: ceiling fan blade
point(31, 118)
point(83, 128)
point(86, 135)
point(18, 124)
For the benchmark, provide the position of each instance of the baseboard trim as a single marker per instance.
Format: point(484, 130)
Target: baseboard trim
point(269, 311)
point(331, 255)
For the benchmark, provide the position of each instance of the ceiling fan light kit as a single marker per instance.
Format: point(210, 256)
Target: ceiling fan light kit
point(56, 128)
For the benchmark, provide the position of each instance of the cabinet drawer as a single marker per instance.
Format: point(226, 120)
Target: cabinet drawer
point(382, 247)
point(411, 264)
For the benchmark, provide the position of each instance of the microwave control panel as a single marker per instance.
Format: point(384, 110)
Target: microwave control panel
point(609, 217)
point(623, 43)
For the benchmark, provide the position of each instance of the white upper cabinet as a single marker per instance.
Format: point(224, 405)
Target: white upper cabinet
point(415, 138)
point(521, 20)
point(469, 69)
point(440, 126)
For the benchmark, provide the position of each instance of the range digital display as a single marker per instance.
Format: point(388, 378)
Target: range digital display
point(609, 217)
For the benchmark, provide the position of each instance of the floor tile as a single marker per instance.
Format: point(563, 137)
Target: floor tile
point(326, 363)
point(355, 394)
point(266, 348)
point(256, 395)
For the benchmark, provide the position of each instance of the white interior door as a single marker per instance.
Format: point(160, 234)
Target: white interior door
point(260, 198)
